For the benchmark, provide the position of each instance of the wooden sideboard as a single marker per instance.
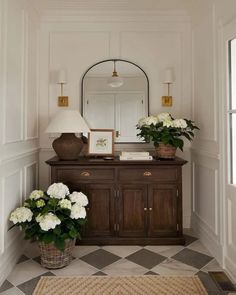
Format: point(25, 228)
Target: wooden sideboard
point(130, 202)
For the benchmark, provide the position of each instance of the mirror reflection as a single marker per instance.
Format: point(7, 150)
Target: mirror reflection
point(115, 96)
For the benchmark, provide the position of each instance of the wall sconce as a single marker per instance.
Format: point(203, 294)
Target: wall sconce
point(167, 100)
point(63, 101)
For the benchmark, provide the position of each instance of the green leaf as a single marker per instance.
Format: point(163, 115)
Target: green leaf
point(60, 243)
point(48, 238)
point(73, 233)
point(57, 230)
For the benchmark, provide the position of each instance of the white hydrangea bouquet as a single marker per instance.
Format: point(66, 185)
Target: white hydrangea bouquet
point(53, 216)
point(163, 128)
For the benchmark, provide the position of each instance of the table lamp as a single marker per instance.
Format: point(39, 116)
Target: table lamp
point(67, 122)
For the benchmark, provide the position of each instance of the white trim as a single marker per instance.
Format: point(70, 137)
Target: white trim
point(207, 237)
point(21, 155)
point(205, 153)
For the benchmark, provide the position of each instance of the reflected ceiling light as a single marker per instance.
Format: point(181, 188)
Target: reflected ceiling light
point(115, 80)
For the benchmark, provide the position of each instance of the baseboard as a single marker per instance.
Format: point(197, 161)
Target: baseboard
point(10, 257)
point(208, 238)
point(186, 221)
point(230, 268)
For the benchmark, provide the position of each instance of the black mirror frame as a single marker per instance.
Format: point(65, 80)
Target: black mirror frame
point(106, 60)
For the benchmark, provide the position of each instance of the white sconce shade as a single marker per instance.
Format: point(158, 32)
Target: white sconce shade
point(168, 78)
point(61, 78)
point(67, 121)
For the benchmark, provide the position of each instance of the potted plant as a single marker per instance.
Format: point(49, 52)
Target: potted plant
point(166, 133)
point(54, 219)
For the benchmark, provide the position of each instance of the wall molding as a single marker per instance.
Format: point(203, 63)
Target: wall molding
point(231, 267)
point(75, 15)
point(208, 238)
point(18, 156)
point(214, 170)
point(10, 257)
point(31, 164)
point(205, 153)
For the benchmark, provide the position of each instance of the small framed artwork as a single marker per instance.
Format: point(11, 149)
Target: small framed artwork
point(101, 142)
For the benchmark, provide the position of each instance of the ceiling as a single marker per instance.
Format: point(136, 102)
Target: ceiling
point(125, 5)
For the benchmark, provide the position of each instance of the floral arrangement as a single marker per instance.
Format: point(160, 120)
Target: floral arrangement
point(53, 216)
point(163, 128)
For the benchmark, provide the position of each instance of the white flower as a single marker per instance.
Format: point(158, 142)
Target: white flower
point(167, 123)
point(65, 204)
point(48, 221)
point(77, 211)
point(79, 198)
point(163, 117)
point(21, 214)
point(39, 218)
point(180, 123)
point(148, 121)
point(58, 191)
point(40, 203)
point(36, 194)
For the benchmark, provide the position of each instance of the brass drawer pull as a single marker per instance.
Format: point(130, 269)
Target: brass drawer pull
point(150, 209)
point(147, 173)
point(85, 173)
point(145, 209)
point(87, 208)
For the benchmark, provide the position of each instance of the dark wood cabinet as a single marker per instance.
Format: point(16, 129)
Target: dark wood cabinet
point(132, 214)
point(130, 202)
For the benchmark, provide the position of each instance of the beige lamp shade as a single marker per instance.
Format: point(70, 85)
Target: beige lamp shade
point(67, 121)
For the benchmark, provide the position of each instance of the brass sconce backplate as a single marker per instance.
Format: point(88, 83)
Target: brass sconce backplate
point(63, 101)
point(166, 101)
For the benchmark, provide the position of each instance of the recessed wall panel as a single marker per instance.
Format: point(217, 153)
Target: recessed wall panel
point(30, 179)
point(14, 75)
point(205, 195)
point(31, 69)
point(12, 195)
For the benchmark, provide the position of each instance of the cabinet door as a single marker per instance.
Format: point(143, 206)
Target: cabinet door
point(163, 210)
point(132, 219)
point(129, 109)
point(100, 210)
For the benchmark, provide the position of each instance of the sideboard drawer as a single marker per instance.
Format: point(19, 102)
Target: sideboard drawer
point(83, 174)
point(148, 174)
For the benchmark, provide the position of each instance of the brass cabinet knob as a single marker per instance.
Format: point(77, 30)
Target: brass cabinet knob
point(85, 173)
point(147, 173)
point(145, 209)
point(87, 208)
point(150, 209)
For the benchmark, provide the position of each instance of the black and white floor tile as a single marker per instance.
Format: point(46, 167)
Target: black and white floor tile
point(188, 260)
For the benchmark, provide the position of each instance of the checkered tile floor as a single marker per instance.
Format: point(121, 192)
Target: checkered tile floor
point(190, 259)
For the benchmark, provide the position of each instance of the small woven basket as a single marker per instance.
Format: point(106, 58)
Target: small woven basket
point(165, 151)
point(53, 258)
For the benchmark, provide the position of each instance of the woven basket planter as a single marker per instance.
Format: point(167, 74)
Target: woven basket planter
point(53, 258)
point(165, 151)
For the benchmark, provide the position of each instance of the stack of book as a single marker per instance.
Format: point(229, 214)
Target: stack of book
point(135, 156)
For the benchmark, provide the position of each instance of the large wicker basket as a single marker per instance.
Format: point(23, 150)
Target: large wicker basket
point(53, 258)
point(165, 151)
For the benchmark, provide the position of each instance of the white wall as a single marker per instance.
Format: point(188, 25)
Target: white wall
point(154, 41)
point(210, 97)
point(18, 120)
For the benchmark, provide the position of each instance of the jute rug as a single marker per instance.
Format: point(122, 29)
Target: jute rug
point(129, 285)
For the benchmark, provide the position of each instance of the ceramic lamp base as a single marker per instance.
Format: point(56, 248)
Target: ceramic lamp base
point(67, 146)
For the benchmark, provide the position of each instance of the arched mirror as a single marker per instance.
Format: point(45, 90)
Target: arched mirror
point(115, 95)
